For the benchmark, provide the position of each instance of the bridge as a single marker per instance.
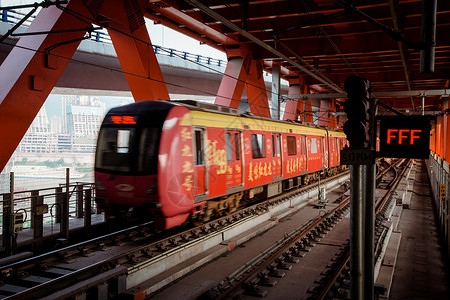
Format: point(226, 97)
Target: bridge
point(95, 68)
point(395, 53)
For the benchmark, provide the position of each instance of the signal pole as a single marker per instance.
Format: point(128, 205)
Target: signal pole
point(360, 131)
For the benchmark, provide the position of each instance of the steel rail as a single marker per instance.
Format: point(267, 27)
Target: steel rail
point(251, 269)
point(139, 256)
point(393, 186)
point(324, 294)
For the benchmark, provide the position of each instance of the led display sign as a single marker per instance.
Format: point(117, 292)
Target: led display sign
point(122, 120)
point(404, 137)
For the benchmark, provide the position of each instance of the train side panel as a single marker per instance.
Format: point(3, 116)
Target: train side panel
point(258, 158)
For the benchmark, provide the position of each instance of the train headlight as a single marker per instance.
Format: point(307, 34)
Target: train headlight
point(153, 188)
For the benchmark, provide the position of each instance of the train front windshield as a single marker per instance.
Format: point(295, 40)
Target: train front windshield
point(128, 149)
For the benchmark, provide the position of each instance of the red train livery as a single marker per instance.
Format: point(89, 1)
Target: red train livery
point(179, 160)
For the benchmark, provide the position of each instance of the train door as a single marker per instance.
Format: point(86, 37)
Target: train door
point(334, 151)
point(234, 158)
point(303, 154)
point(324, 146)
point(276, 155)
point(200, 160)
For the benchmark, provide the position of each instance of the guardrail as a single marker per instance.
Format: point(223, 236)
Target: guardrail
point(101, 36)
point(27, 212)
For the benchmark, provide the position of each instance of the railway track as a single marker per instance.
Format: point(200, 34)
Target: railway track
point(335, 281)
point(256, 277)
point(108, 266)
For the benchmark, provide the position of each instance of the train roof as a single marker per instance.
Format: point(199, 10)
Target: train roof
point(143, 107)
point(208, 107)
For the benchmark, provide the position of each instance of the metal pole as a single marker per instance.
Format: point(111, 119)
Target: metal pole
point(357, 263)
point(423, 105)
point(65, 208)
point(369, 230)
point(428, 32)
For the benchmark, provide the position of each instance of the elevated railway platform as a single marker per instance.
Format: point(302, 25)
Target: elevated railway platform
point(249, 196)
point(410, 252)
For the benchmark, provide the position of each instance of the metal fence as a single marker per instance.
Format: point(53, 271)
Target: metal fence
point(439, 174)
point(34, 214)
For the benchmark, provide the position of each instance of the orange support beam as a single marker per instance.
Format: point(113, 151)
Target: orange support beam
point(439, 136)
point(233, 81)
point(293, 106)
point(332, 120)
point(446, 139)
point(242, 71)
point(308, 109)
point(446, 131)
point(256, 90)
point(433, 137)
point(28, 74)
point(324, 110)
point(134, 49)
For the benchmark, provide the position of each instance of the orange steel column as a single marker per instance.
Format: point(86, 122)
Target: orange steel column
point(446, 133)
point(28, 74)
point(233, 81)
point(292, 105)
point(133, 47)
point(438, 136)
point(308, 109)
point(242, 71)
point(433, 137)
point(442, 138)
point(324, 110)
point(446, 141)
point(332, 120)
point(256, 90)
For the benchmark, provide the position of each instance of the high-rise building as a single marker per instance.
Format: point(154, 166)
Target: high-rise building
point(74, 131)
point(82, 115)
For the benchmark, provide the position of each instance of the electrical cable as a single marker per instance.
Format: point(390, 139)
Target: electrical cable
point(73, 13)
point(80, 17)
point(299, 58)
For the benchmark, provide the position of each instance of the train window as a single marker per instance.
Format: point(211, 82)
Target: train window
point(303, 146)
point(114, 149)
point(123, 141)
point(291, 145)
point(258, 146)
point(273, 146)
point(199, 147)
point(278, 146)
point(313, 145)
point(237, 142)
point(148, 150)
point(228, 146)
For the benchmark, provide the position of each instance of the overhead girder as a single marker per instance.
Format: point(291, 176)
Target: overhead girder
point(30, 71)
point(273, 15)
point(242, 70)
point(350, 45)
point(338, 27)
point(172, 15)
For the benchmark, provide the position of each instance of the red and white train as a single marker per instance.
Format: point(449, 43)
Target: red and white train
point(176, 161)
